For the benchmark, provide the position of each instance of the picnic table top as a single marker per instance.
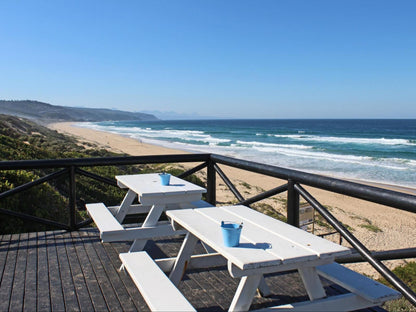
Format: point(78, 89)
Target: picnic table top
point(150, 185)
point(264, 241)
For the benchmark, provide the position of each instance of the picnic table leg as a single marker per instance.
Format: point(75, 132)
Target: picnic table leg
point(312, 283)
point(183, 258)
point(245, 293)
point(207, 248)
point(151, 220)
point(125, 205)
point(264, 288)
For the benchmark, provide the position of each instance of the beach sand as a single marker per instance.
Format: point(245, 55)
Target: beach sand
point(378, 227)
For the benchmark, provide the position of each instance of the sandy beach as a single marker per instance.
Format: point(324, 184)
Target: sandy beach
point(376, 226)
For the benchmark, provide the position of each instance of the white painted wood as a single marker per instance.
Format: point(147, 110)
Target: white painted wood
point(154, 215)
point(130, 234)
point(113, 209)
point(138, 245)
point(312, 283)
point(156, 288)
point(209, 231)
point(169, 198)
point(245, 293)
point(139, 208)
point(183, 258)
point(260, 246)
point(237, 272)
point(321, 247)
point(266, 245)
point(180, 194)
point(149, 184)
point(255, 236)
point(133, 209)
point(125, 205)
point(373, 291)
point(263, 288)
point(195, 262)
point(150, 221)
point(103, 218)
point(340, 303)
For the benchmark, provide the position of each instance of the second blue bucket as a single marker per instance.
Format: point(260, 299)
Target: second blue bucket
point(231, 233)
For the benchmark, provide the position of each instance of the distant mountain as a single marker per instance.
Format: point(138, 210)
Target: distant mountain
point(46, 112)
point(177, 116)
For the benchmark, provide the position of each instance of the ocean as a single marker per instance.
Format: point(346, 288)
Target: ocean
point(374, 150)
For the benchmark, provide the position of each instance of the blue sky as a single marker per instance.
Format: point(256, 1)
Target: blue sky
point(242, 59)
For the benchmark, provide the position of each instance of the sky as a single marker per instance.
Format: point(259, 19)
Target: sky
point(220, 58)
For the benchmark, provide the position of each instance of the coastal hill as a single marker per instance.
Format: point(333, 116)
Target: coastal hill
point(45, 112)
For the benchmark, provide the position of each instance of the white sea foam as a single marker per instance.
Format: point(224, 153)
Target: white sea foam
point(272, 145)
point(297, 151)
point(138, 132)
point(347, 140)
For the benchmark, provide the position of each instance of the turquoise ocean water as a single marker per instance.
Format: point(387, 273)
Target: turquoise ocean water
point(382, 151)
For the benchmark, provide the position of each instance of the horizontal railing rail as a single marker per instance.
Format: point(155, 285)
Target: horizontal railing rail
point(293, 182)
point(373, 194)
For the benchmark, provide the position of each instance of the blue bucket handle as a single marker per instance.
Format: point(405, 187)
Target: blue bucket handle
point(240, 226)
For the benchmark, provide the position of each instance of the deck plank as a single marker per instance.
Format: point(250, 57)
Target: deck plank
point(30, 291)
point(94, 290)
point(6, 285)
point(4, 247)
point(18, 288)
point(131, 290)
point(118, 291)
point(55, 286)
point(42, 284)
point(78, 277)
point(68, 286)
point(100, 276)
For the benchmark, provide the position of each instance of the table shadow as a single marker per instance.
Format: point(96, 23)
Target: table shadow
point(263, 246)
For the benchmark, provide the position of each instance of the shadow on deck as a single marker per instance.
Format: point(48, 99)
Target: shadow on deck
point(62, 271)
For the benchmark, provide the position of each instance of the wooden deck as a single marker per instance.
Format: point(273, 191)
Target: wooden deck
point(73, 271)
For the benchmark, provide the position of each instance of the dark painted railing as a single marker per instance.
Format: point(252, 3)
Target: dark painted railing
point(295, 180)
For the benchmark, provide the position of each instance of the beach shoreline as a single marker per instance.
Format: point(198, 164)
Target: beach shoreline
point(378, 227)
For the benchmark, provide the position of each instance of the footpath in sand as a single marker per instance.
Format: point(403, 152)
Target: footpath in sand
point(378, 227)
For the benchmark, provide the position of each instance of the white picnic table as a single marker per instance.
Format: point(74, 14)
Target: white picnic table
point(266, 245)
point(153, 199)
point(149, 190)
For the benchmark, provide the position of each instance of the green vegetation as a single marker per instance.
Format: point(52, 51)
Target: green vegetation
point(269, 210)
point(47, 112)
point(371, 227)
point(367, 224)
point(21, 139)
point(246, 185)
point(407, 273)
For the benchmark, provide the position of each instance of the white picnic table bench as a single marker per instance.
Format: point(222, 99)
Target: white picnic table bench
point(266, 246)
point(154, 198)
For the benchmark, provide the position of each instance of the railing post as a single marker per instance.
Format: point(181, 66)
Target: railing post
point(72, 198)
point(211, 183)
point(292, 204)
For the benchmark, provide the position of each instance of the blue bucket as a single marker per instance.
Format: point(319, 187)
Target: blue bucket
point(231, 233)
point(164, 178)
